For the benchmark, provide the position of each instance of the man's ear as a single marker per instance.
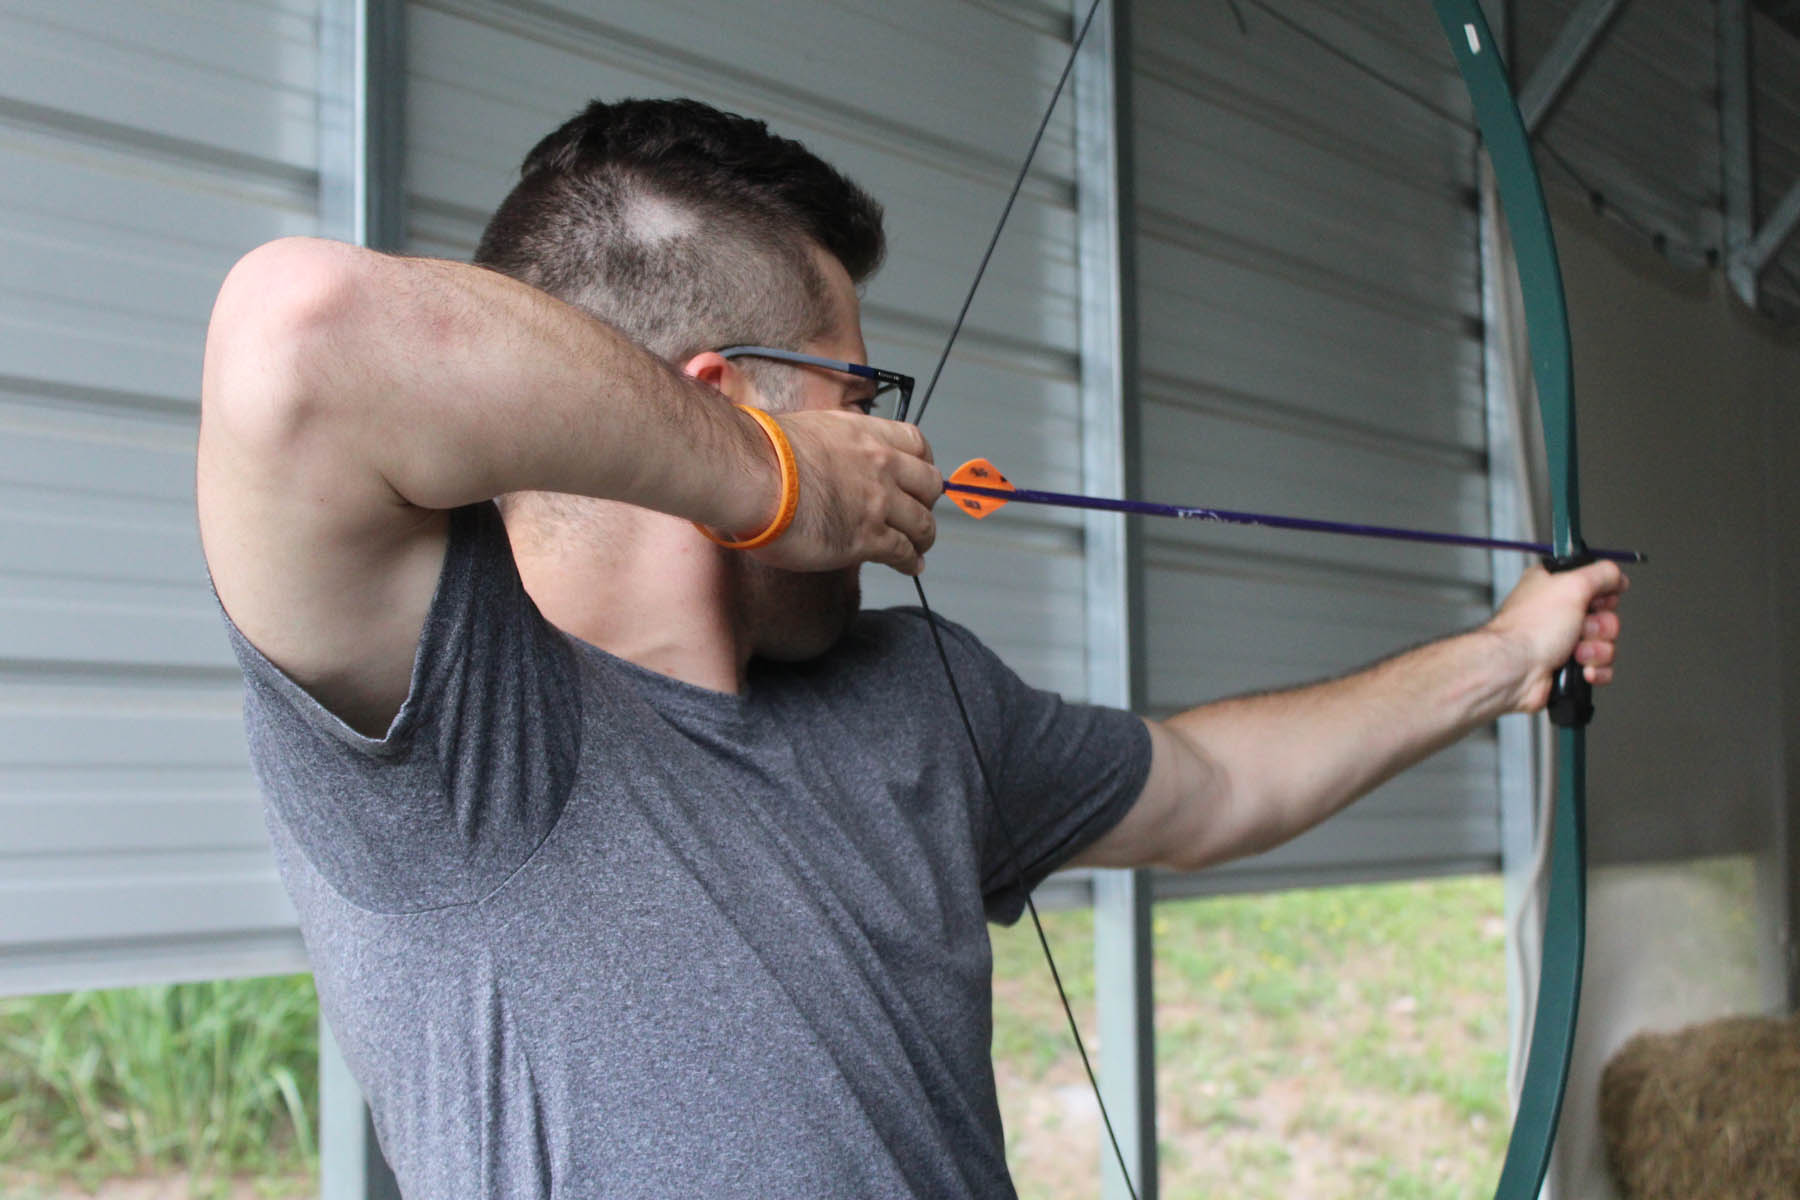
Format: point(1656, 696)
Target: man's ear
point(719, 373)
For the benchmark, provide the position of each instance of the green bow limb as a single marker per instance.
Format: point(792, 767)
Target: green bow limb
point(1547, 328)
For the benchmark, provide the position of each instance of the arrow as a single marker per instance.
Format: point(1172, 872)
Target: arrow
point(982, 490)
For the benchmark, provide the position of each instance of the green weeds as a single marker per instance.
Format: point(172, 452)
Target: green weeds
point(210, 1078)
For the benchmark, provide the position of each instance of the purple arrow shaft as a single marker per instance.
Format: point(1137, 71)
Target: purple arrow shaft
point(1229, 517)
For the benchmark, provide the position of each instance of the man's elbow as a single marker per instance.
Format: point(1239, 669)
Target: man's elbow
point(1213, 818)
point(278, 305)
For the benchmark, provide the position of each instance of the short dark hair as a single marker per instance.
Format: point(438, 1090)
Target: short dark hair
point(686, 227)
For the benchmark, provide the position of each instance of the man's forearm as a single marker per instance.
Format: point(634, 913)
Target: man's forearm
point(1293, 758)
point(457, 384)
point(1239, 776)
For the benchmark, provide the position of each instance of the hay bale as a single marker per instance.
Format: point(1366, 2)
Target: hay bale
point(1709, 1111)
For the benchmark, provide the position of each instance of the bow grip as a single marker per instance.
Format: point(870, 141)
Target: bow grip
point(1571, 695)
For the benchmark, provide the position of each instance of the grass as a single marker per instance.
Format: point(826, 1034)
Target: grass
point(1341, 1042)
point(209, 1079)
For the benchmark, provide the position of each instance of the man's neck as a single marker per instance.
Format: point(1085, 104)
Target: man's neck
point(652, 594)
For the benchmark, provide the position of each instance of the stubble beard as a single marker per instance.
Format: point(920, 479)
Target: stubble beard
point(794, 616)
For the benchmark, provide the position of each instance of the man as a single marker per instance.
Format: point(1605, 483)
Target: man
point(630, 863)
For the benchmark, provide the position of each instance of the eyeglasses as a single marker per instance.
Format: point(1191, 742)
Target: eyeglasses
point(893, 391)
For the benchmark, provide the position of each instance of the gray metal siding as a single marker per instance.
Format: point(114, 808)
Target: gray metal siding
point(930, 107)
point(143, 147)
point(1309, 343)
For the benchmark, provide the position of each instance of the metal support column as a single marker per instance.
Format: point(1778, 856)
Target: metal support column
point(1510, 514)
point(1736, 132)
point(362, 80)
point(1778, 868)
point(362, 122)
point(1787, 823)
point(350, 1162)
point(1748, 249)
point(1122, 947)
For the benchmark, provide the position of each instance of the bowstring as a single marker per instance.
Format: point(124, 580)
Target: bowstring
point(1015, 857)
point(1005, 212)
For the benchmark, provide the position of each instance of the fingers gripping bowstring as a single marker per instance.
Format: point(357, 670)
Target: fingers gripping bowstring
point(1013, 849)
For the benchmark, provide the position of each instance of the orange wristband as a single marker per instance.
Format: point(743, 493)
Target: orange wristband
point(790, 488)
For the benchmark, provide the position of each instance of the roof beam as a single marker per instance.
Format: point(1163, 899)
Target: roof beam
point(1563, 62)
point(1736, 163)
point(1774, 233)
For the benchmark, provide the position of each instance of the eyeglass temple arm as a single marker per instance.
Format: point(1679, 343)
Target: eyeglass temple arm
point(794, 356)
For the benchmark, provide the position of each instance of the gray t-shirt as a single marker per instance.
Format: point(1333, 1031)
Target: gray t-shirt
point(584, 930)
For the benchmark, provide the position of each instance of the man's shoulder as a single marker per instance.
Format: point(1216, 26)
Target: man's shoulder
point(899, 648)
point(903, 632)
point(884, 626)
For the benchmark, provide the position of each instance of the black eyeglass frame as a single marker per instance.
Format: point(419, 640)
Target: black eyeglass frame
point(887, 380)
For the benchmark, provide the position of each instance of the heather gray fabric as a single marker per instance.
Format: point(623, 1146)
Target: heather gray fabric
point(583, 930)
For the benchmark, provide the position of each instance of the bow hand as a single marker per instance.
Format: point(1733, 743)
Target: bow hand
point(1552, 619)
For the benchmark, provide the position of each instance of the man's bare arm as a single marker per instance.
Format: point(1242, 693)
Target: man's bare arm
point(1240, 776)
point(350, 398)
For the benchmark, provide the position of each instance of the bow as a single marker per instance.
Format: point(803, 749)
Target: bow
point(1571, 703)
point(1570, 707)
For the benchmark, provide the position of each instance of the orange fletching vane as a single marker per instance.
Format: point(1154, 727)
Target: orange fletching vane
point(979, 472)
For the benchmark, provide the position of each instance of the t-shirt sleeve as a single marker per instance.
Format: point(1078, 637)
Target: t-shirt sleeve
point(1065, 773)
point(474, 769)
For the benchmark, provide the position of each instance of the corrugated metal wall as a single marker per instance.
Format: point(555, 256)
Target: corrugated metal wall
point(930, 107)
point(1308, 299)
point(143, 147)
